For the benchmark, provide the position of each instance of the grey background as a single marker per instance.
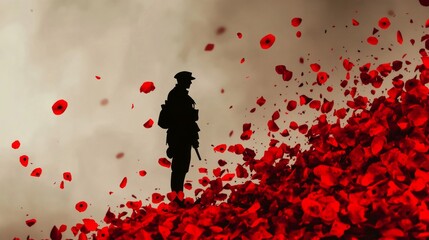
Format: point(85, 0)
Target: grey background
point(52, 50)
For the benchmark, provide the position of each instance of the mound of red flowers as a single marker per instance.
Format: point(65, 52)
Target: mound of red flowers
point(367, 178)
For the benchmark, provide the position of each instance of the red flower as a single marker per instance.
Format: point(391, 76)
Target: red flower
point(356, 213)
point(16, 144)
point(295, 22)
point(209, 47)
point(59, 107)
point(147, 87)
point(36, 172)
point(372, 40)
point(67, 176)
point(384, 23)
point(267, 41)
point(164, 162)
point(315, 67)
point(90, 224)
point(30, 222)
point(81, 206)
point(291, 105)
point(157, 198)
point(322, 77)
point(23, 159)
point(142, 173)
point(148, 123)
point(347, 65)
point(204, 181)
point(261, 101)
point(135, 205)
point(220, 148)
point(399, 37)
point(123, 182)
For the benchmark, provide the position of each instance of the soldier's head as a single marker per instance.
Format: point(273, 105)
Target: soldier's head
point(184, 79)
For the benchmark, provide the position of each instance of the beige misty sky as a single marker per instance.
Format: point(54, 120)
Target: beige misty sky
point(53, 49)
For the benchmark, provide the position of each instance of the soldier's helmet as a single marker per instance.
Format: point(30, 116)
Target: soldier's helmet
point(184, 75)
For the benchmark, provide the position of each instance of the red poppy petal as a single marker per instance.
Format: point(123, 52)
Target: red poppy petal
point(295, 22)
point(322, 77)
point(209, 47)
point(372, 40)
point(315, 67)
point(67, 176)
point(142, 173)
point(157, 198)
point(59, 107)
point(16, 144)
point(148, 123)
point(135, 205)
point(424, 2)
point(30, 222)
point(291, 105)
point(384, 23)
point(23, 159)
point(261, 101)
point(267, 41)
point(164, 162)
point(81, 206)
point(147, 87)
point(220, 148)
point(36, 172)
point(123, 182)
point(90, 224)
point(399, 37)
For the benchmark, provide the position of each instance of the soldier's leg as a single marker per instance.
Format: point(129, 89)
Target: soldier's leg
point(177, 181)
point(180, 166)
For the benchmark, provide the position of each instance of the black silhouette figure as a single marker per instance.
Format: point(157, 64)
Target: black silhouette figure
point(179, 116)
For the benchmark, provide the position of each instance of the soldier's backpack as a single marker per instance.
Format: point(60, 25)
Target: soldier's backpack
point(163, 120)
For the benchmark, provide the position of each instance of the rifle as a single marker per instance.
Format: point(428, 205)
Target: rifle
point(198, 153)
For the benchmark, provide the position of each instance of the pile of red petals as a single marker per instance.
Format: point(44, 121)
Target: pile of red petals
point(366, 179)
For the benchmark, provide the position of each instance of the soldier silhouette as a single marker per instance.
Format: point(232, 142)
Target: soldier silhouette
point(179, 115)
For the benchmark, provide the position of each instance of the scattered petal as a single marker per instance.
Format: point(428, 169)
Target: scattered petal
point(30, 222)
point(372, 40)
point(315, 67)
point(81, 206)
point(148, 123)
point(267, 41)
point(59, 107)
point(142, 173)
point(16, 144)
point(157, 198)
point(147, 87)
point(261, 101)
point(164, 162)
point(123, 182)
point(384, 23)
point(296, 21)
point(220, 148)
point(23, 160)
point(209, 47)
point(36, 172)
point(67, 176)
